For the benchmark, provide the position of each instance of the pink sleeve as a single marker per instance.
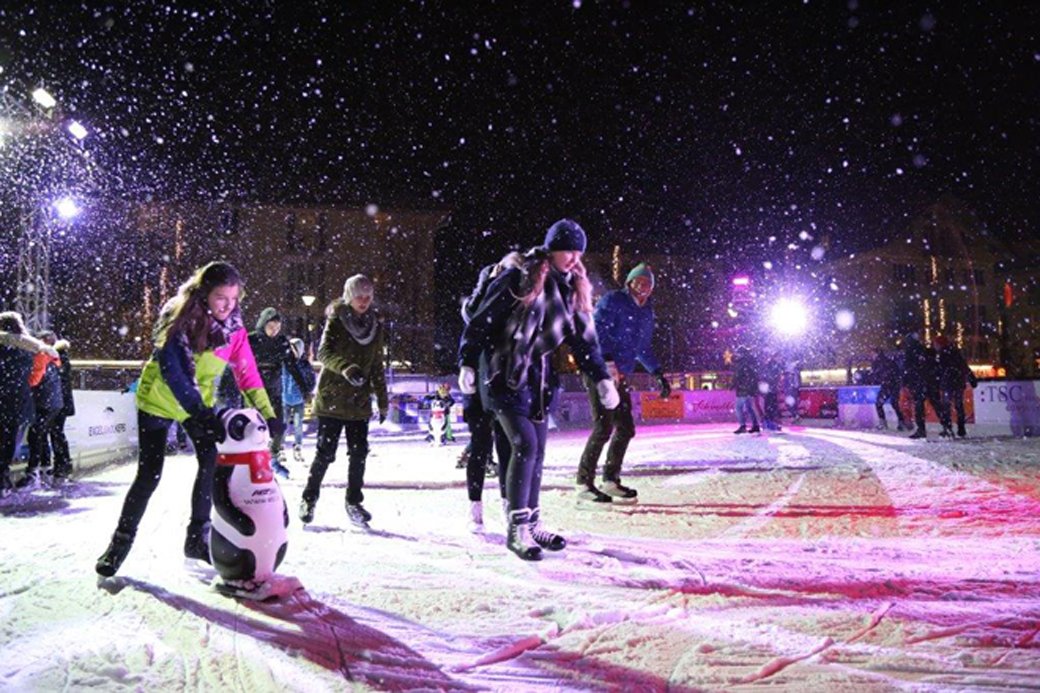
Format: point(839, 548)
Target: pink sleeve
point(243, 364)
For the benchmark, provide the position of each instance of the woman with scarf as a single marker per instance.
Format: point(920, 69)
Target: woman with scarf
point(198, 335)
point(543, 300)
point(351, 356)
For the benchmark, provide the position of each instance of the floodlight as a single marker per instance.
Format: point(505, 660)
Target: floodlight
point(789, 317)
point(67, 208)
point(77, 130)
point(44, 98)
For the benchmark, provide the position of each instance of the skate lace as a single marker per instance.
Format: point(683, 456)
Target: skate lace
point(541, 534)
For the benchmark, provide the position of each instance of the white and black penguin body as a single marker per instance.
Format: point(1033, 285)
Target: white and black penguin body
point(248, 538)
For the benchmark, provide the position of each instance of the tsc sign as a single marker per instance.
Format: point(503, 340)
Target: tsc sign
point(1013, 406)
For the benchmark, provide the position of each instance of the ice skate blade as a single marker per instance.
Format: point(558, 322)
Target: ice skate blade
point(271, 589)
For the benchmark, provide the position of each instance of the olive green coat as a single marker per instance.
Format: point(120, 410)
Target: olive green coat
point(338, 398)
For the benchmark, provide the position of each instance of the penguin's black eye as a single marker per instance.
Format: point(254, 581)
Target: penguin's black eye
point(237, 426)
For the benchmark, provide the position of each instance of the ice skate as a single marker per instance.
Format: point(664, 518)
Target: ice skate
point(620, 494)
point(548, 540)
point(589, 495)
point(30, 480)
point(278, 466)
point(742, 429)
point(307, 510)
point(519, 539)
point(919, 433)
point(196, 543)
point(108, 563)
point(961, 433)
point(882, 425)
point(754, 429)
point(274, 587)
point(463, 460)
point(358, 516)
point(475, 524)
point(297, 451)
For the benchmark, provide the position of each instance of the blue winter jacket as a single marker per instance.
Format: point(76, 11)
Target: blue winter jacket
point(625, 332)
point(291, 394)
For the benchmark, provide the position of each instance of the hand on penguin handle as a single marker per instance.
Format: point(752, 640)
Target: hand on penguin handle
point(354, 375)
point(275, 427)
point(666, 387)
point(205, 427)
point(608, 394)
point(467, 380)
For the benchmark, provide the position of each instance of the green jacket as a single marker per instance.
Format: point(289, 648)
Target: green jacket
point(361, 344)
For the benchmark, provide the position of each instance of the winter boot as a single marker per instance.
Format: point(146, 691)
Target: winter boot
point(476, 517)
point(307, 510)
point(551, 541)
point(115, 554)
point(196, 543)
point(31, 478)
point(358, 516)
point(919, 433)
point(297, 452)
point(278, 464)
point(621, 494)
point(742, 429)
point(519, 539)
point(588, 493)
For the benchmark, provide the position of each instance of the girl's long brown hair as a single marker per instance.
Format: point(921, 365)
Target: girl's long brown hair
point(581, 300)
point(188, 312)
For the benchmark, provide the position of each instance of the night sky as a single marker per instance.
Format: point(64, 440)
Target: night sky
point(702, 125)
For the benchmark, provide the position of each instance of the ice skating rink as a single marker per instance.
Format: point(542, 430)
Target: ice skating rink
point(810, 560)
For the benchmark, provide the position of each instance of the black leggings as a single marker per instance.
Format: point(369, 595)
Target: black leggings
point(39, 439)
point(329, 430)
point(485, 432)
point(524, 476)
point(152, 432)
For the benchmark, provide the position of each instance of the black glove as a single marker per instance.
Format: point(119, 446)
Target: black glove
point(972, 380)
point(666, 387)
point(382, 416)
point(205, 427)
point(276, 427)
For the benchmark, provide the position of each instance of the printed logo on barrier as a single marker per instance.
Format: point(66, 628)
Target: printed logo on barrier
point(105, 430)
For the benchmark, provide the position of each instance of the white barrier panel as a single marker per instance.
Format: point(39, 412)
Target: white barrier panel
point(104, 421)
point(1011, 406)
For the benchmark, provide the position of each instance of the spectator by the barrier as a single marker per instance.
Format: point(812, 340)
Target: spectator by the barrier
point(17, 349)
point(953, 374)
point(48, 402)
point(884, 373)
point(745, 382)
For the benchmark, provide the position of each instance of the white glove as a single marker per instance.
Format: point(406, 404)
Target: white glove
point(354, 375)
point(608, 395)
point(467, 380)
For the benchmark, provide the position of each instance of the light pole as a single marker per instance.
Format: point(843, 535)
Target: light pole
point(308, 301)
point(41, 171)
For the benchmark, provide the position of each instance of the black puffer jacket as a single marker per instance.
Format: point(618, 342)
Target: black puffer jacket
point(507, 343)
point(954, 370)
point(68, 403)
point(15, 402)
point(271, 353)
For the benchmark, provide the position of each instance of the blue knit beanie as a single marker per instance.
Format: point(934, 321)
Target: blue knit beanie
point(640, 270)
point(565, 235)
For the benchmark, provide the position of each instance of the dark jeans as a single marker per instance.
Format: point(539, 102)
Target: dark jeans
point(38, 439)
point(329, 430)
point(485, 432)
point(891, 396)
point(614, 425)
point(152, 433)
point(524, 476)
point(8, 442)
point(956, 398)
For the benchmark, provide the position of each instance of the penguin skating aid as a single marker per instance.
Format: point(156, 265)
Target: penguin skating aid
point(248, 539)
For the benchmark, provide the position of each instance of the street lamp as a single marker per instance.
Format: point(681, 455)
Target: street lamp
point(308, 301)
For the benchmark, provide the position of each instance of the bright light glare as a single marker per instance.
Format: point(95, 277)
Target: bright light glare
point(789, 317)
point(77, 130)
point(43, 97)
point(741, 280)
point(67, 208)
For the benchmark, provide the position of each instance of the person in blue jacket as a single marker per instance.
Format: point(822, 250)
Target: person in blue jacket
point(293, 398)
point(625, 326)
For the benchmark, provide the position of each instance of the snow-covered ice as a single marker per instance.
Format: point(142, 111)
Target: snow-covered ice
point(816, 559)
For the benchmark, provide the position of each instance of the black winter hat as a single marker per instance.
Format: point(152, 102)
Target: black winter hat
point(565, 235)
